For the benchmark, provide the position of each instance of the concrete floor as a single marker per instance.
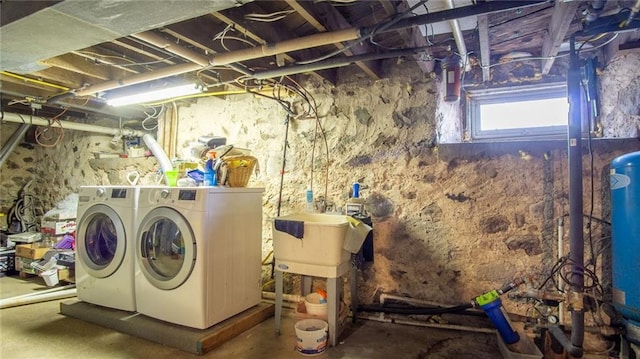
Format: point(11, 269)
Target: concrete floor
point(40, 331)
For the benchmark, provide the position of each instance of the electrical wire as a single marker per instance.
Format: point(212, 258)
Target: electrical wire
point(51, 135)
point(278, 15)
point(222, 36)
point(380, 27)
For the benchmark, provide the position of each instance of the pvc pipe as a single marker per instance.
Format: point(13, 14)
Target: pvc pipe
point(459, 38)
point(158, 152)
point(67, 125)
point(13, 142)
point(55, 289)
point(31, 299)
point(301, 43)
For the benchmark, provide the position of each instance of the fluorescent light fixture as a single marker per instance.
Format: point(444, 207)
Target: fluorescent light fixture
point(155, 95)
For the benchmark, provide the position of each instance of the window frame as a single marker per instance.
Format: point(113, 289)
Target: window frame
point(476, 98)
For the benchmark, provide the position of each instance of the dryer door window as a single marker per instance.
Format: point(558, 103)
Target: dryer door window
point(102, 241)
point(167, 248)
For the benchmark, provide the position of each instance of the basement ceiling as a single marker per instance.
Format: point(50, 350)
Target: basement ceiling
point(73, 54)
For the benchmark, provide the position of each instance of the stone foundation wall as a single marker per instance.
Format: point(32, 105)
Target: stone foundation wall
point(447, 227)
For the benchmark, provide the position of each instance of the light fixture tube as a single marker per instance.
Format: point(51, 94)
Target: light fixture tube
point(155, 95)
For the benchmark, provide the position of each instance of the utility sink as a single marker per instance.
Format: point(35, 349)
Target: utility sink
point(312, 244)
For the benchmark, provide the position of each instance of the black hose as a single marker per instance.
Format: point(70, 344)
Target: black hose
point(405, 309)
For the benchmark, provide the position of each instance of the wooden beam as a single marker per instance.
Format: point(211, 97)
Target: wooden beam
point(412, 36)
point(143, 52)
point(103, 59)
point(333, 20)
point(485, 51)
point(563, 14)
point(79, 64)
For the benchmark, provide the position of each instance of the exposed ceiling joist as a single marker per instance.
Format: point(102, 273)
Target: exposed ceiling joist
point(485, 52)
point(563, 14)
point(232, 17)
point(334, 21)
point(411, 36)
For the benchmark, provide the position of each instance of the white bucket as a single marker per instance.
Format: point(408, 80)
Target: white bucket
point(312, 336)
point(314, 306)
point(50, 277)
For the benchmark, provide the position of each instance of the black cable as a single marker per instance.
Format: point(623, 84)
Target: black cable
point(405, 309)
point(380, 27)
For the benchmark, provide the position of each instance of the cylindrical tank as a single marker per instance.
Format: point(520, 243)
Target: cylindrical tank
point(625, 232)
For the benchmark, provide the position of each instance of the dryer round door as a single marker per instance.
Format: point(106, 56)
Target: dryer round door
point(167, 248)
point(102, 241)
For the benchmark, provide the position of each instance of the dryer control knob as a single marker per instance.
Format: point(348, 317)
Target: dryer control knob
point(100, 192)
point(165, 193)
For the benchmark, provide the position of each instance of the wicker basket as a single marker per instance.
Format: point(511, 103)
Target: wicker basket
point(239, 169)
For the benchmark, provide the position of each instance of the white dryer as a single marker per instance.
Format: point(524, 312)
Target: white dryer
point(105, 242)
point(198, 253)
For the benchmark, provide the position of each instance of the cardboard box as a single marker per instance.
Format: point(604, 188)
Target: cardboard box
point(23, 265)
point(67, 275)
point(57, 228)
point(31, 251)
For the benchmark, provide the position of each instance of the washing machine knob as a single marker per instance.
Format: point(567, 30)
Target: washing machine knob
point(100, 192)
point(165, 193)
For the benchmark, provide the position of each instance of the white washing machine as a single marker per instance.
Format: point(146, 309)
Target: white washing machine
point(198, 253)
point(105, 245)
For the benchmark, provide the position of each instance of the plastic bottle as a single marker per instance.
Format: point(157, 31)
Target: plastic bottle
point(309, 200)
point(209, 173)
point(355, 204)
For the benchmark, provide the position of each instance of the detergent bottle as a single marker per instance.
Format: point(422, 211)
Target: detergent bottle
point(209, 172)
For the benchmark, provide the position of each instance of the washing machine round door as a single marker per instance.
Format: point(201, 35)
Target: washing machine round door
point(101, 241)
point(167, 248)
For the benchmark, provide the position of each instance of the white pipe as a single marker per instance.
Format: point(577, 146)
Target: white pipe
point(67, 125)
point(158, 152)
point(55, 289)
point(31, 299)
point(428, 325)
point(457, 35)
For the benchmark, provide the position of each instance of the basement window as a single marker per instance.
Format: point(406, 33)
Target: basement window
point(518, 113)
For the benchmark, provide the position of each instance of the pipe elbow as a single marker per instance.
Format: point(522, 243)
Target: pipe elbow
point(573, 350)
